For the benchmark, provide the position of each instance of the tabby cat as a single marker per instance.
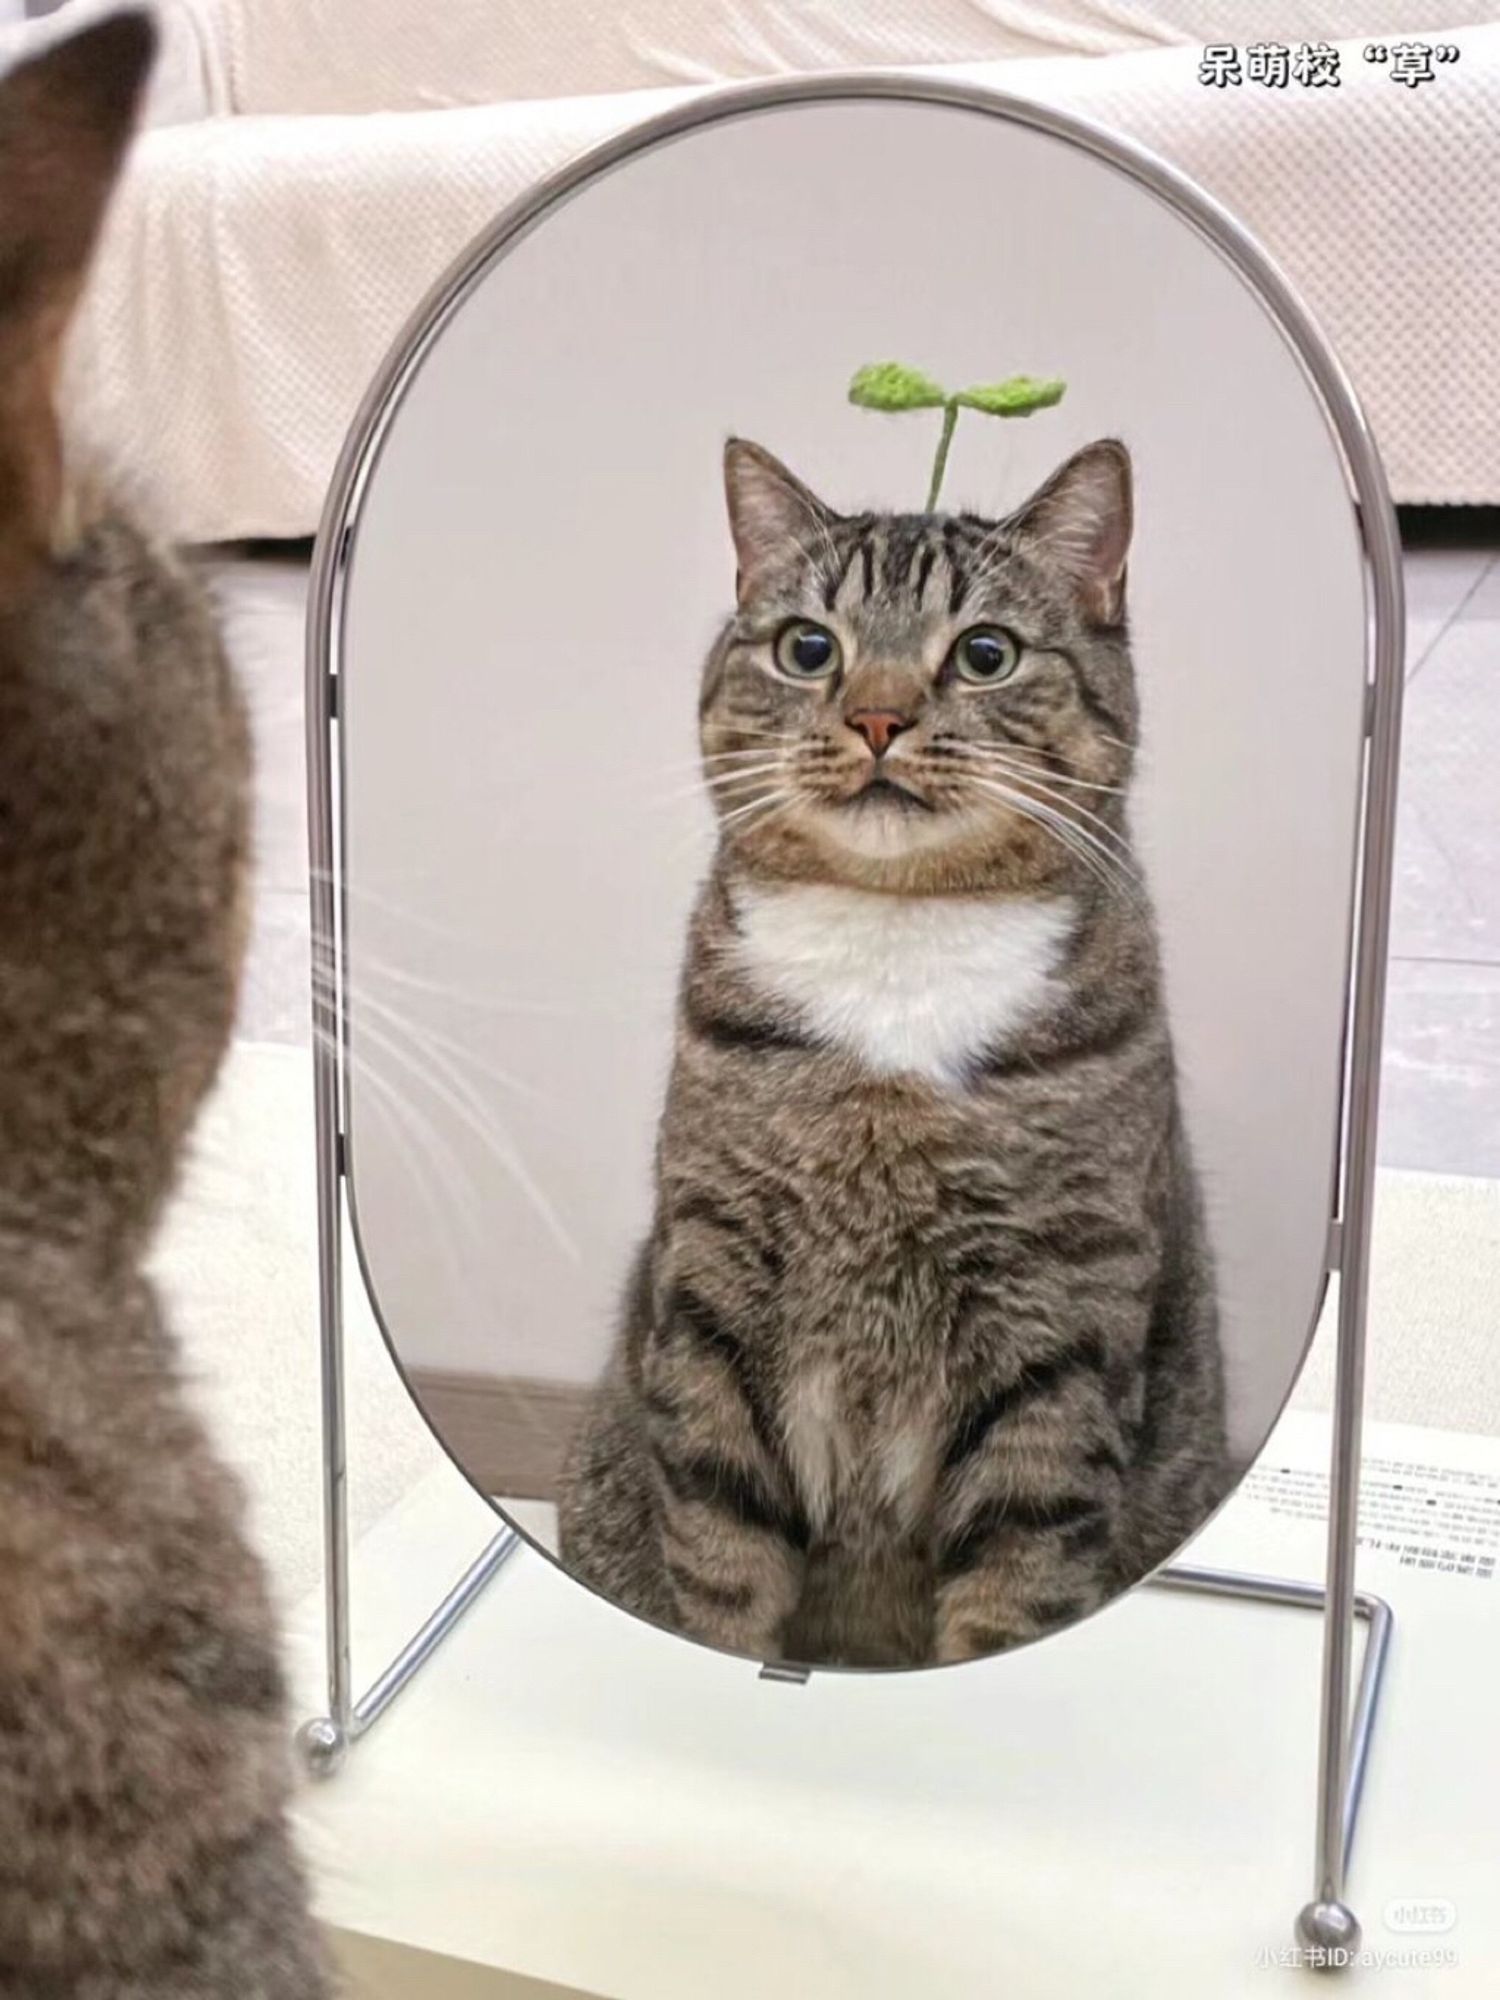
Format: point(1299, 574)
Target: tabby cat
point(144, 1761)
point(920, 1359)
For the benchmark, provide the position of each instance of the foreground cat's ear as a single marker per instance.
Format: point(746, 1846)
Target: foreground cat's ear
point(1080, 523)
point(769, 510)
point(65, 118)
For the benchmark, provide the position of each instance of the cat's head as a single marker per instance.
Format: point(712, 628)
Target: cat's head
point(924, 702)
point(123, 746)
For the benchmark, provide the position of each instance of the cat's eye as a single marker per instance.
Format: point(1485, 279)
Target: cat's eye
point(807, 652)
point(985, 654)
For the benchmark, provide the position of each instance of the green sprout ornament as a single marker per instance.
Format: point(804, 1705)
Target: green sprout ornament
point(891, 385)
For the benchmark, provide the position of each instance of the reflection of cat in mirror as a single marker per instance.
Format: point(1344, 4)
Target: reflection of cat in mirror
point(921, 1358)
point(144, 1754)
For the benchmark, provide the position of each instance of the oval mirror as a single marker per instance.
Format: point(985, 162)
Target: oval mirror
point(844, 871)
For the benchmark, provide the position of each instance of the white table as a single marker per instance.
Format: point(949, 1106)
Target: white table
point(565, 1796)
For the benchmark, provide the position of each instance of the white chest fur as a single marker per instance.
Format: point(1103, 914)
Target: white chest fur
point(921, 985)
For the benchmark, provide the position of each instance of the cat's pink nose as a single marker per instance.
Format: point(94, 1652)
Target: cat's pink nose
point(878, 726)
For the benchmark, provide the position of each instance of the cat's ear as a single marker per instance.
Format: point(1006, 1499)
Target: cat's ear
point(769, 509)
point(65, 119)
point(1080, 522)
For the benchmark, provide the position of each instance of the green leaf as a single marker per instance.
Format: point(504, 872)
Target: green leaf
point(1017, 396)
point(891, 385)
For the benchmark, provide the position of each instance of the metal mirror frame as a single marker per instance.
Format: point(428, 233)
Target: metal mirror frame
point(1326, 1928)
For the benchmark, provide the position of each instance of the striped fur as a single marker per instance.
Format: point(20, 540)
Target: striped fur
point(920, 1359)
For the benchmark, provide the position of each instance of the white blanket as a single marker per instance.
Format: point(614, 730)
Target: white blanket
point(257, 269)
point(409, 55)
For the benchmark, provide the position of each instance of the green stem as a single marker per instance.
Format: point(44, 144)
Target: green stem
point(940, 463)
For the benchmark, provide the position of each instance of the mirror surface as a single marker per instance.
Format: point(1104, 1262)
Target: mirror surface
point(930, 1271)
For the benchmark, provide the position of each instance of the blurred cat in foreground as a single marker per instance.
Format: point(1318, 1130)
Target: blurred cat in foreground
point(144, 1767)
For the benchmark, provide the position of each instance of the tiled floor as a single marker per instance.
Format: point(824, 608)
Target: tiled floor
point(1441, 1108)
point(1441, 1099)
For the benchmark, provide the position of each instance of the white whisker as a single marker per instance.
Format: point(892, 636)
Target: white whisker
point(774, 807)
point(721, 784)
point(449, 1174)
point(781, 795)
point(425, 1038)
point(717, 780)
point(1077, 840)
point(1027, 760)
point(372, 968)
point(470, 1110)
point(1080, 814)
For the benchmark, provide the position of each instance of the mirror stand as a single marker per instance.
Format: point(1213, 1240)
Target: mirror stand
point(1327, 1929)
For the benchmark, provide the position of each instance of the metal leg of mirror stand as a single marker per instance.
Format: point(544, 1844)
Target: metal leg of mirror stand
point(325, 1740)
point(1327, 1929)
point(1369, 1610)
